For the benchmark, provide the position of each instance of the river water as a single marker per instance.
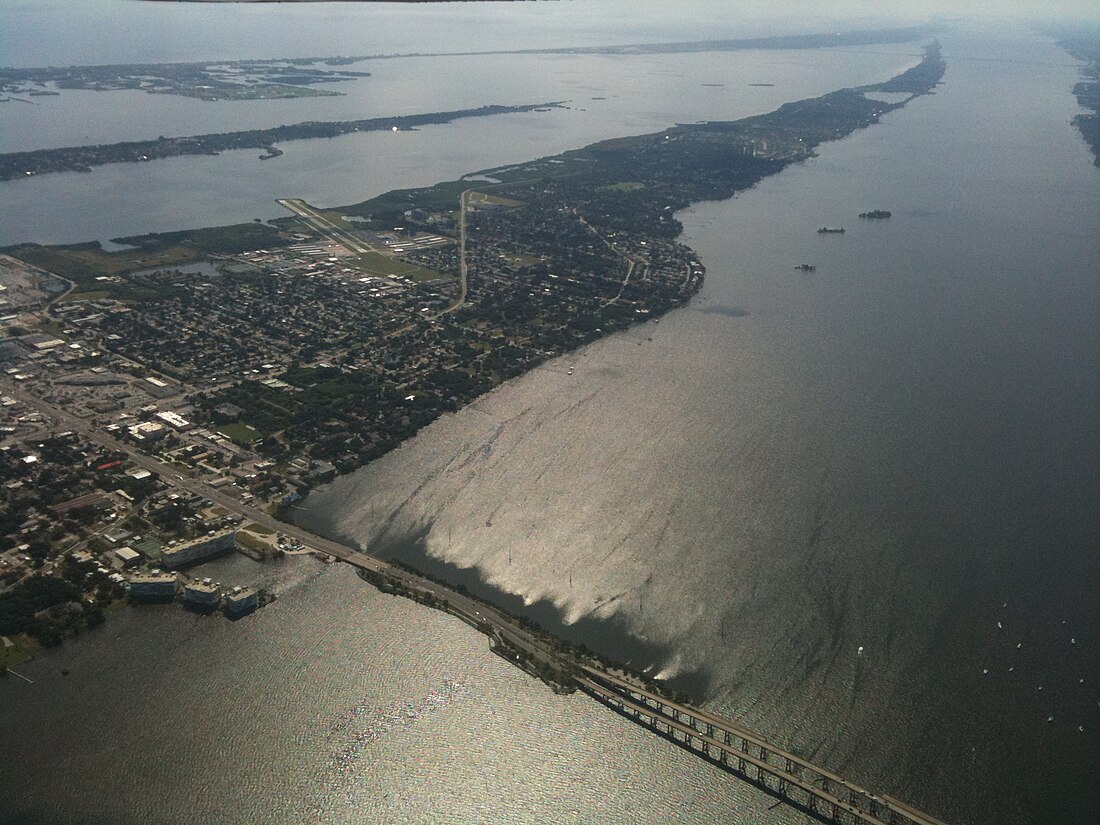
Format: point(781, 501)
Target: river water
point(880, 453)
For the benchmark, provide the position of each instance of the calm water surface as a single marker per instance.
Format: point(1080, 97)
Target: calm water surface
point(881, 453)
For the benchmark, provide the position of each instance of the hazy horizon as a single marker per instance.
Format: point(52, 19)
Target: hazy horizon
point(54, 32)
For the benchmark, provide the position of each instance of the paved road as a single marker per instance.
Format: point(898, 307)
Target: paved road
point(463, 272)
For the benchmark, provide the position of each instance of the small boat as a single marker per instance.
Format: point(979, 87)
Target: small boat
point(806, 267)
point(860, 651)
point(1000, 626)
point(825, 230)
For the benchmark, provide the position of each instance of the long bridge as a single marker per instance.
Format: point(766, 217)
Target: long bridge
point(737, 750)
point(800, 783)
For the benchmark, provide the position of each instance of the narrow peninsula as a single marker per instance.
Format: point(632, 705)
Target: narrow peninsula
point(412, 304)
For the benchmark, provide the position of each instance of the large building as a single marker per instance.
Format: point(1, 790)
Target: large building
point(198, 549)
point(174, 420)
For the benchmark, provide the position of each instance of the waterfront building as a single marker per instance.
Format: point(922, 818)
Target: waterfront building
point(198, 549)
point(201, 594)
point(241, 600)
point(153, 586)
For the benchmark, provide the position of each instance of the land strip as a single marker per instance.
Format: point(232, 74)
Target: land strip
point(326, 226)
point(1083, 42)
point(16, 165)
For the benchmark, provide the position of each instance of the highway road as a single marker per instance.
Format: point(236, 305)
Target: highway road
point(463, 272)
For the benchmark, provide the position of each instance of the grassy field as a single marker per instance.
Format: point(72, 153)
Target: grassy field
point(82, 263)
point(20, 652)
point(494, 200)
point(521, 260)
point(338, 219)
point(258, 529)
point(93, 295)
point(625, 186)
point(241, 433)
point(441, 196)
point(374, 263)
point(252, 541)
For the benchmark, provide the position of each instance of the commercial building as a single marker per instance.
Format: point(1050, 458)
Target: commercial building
point(174, 420)
point(127, 556)
point(147, 430)
point(159, 389)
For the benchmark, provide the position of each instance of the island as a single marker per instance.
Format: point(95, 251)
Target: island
point(260, 359)
point(15, 165)
point(210, 81)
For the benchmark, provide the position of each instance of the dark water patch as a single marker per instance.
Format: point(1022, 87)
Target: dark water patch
point(610, 638)
point(727, 311)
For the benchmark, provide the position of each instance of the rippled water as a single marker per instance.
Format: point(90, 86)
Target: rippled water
point(334, 704)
